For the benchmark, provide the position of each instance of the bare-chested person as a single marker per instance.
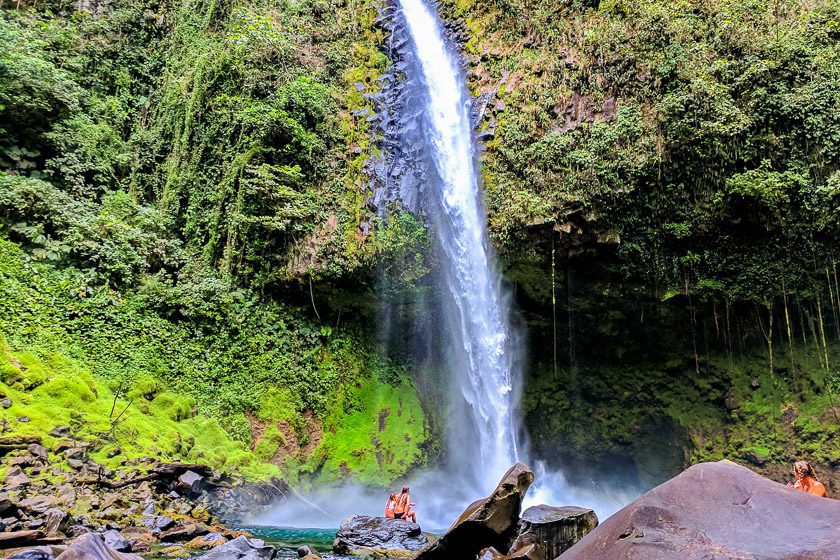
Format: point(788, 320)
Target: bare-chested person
point(806, 480)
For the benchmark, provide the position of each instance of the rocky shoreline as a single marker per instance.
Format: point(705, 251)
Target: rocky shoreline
point(53, 496)
point(59, 504)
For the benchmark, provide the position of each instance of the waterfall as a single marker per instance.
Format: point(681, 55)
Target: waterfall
point(481, 422)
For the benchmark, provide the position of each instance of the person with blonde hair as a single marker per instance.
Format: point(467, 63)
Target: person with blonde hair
point(390, 505)
point(806, 480)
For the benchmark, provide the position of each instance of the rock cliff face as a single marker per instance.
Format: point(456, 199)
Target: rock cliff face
point(717, 511)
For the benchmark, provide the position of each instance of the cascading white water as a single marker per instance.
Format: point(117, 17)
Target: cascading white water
point(482, 424)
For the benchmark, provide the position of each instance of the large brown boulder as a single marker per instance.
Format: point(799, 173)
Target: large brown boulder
point(554, 529)
point(716, 511)
point(491, 522)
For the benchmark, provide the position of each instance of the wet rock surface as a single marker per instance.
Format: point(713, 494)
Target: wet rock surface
point(554, 529)
point(717, 511)
point(363, 534)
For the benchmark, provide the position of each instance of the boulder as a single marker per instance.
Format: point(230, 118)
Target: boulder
point(60, 432)
point(20, 538)
point(158, 523)
point(56, 520)
point(491, 522)
point(91, 547)
point(78, 453)
point(717, 511)
point(190, 482)
point(308, 553)
point(361, 534)
point(6, 504)
point(15, 478)
point(200, 513)
point(38, 503)
point(185, 532)
point(206, 542)
point(39, 553)
point(139, 537)
point(38, 451)
point(241, 548)
point(114, 539)
point(23, 461)
point(79, 526)
point(554, 529)
point(63, 445)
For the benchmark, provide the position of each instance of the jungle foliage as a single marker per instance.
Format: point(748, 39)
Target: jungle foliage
point(662, 181)
point(173, 176)
point(702, 135)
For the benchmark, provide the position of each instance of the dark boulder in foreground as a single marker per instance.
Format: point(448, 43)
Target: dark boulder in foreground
point(716, 511)
point(554, 529)
point(362, 534)
point(491, 522)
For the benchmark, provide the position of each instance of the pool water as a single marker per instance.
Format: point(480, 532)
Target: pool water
point(288, 539)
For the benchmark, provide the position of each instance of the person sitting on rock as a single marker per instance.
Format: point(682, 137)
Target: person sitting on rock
point(390, 505)
point(806, 480)
point(404, 504)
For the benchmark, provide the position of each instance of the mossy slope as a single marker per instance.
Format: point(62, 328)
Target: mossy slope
point(188, 392)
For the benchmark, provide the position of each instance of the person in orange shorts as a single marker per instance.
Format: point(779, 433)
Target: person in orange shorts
point(806, 480)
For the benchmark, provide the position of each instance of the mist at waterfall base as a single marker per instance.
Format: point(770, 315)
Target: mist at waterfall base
point(440, 499)
point(472, 359)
